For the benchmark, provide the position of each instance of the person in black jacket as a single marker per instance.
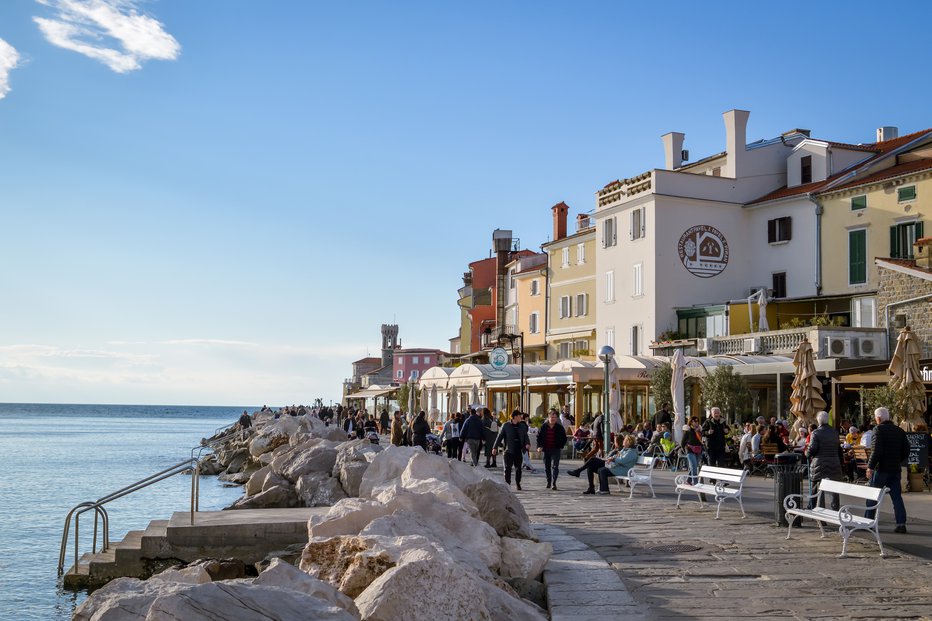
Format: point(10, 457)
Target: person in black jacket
point(489, 430)
point(471, 433)
point(713, 430)
point(889, 449)
point(551, 438)
point(419, 430)
point(514, 437)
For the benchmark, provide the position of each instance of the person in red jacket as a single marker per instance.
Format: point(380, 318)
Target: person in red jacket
point(551, 438)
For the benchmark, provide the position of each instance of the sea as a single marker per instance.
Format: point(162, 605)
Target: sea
point(57, 456)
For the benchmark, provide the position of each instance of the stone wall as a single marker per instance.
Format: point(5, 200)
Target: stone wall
point(896, 286)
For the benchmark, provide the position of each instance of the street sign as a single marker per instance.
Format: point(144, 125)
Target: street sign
point(498, 358)
point(498, 374)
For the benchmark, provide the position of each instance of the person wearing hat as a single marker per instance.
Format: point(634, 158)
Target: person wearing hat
point(513, 435)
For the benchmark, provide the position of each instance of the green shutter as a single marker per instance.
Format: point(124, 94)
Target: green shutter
point(894, 242)
point(919, 232)
point(857, 257)
point(858, 202)
point(906, 194)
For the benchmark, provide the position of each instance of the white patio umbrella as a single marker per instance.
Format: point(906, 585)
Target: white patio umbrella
point(434, 411)
point(678, 393)
point(454, 406)
point(614, 398)
point(806, 399)
point(424, 405)
point(907, 377)
point(762, 325)
point(474, 394)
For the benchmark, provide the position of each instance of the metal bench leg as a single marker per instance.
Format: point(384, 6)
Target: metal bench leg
point(651, 486)
point(789, 529)
point(879, 543)
point(741, 504)
point(678, 495)
point(631, 493)
point(845, 533)
point(719, 510)
point(821, 528)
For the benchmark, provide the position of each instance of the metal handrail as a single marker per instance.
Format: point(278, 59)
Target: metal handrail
point(100, 513)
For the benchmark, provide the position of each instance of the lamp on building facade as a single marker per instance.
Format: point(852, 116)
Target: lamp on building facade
point(606, 355)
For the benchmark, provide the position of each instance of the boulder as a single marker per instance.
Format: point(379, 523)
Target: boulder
point(186, 575)
point(124, 599)
point(265, 442)
point(352, 461)
point(287, 576)
point(522, 558)
point(254, 484)
point(272, 479)
point(234, 601)
point(347, 517)
point(350, 476)
point(499, 507)
point(209, 466)
point(386, 468)
point(319, 489)
point(531, 590)
point(320, 457)
point(276, 497)
point(237, 461)
point(237, 478)
point(221, 569)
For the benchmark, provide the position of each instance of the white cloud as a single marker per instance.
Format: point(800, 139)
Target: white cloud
point(113, 32)
point(9, 58)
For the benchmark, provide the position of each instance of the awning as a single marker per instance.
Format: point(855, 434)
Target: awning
point(370, 392)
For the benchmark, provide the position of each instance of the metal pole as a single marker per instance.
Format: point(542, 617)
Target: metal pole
point(606, 354)
point(521, 353)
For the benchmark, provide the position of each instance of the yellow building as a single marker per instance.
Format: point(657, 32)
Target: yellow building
point(571, 278)
point(526, 307)
point(877, 216)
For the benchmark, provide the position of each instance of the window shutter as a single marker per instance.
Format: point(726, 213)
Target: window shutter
point(641, 218)
point(771, 231)
point(789, 228)
point(919, 233)
point(894, 242)
point(614, 231)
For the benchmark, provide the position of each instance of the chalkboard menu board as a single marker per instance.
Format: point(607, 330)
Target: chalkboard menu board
point(918, 449)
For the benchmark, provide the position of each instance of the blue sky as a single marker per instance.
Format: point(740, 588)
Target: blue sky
point(220, 202)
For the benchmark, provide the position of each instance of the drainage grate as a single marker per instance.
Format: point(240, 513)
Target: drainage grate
point(675, 548)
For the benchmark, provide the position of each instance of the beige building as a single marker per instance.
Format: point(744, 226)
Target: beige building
point(571, 287)
point(527, 308)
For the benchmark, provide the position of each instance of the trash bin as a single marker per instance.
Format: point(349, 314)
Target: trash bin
point(787, 480)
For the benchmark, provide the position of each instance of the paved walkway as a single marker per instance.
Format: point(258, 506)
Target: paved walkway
point(736, 568)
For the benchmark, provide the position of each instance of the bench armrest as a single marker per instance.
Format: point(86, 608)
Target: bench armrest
point(847, 512)
point(681, 479)
point(795, 501)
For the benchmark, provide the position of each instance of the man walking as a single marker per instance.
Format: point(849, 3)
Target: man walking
point(825, 458)
point(663, 417)
point(713, 430)
point(889, 449)
point(471, 433)
point(551, 438)
point(514, 437)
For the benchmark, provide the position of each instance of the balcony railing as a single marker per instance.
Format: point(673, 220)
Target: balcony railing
point(491, 338)
point(618, 190)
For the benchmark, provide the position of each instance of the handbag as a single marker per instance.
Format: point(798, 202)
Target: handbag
point(695, 448)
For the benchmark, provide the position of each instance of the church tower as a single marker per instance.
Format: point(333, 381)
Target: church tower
point(389, 343)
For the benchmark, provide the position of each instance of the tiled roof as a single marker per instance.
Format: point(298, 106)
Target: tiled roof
point(889, 173)
point(878, 148)
point(908, 263)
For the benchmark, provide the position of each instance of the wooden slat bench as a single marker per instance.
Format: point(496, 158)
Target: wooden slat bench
point(639, 474)
point(845, 518)
point(722, 483)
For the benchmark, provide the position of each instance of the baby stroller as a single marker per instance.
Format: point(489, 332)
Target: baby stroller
point(373, 437)
point(433, 444)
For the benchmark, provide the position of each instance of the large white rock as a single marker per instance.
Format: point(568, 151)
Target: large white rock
point(386, 468)
point(350, 475)
point(319, 489)
point(254, 484)
point(267, 440)
point(123, 599)
point(499, 507)
point(287, 576)
point(276, 497)
point(196, 574)
point(347, 517)
point(320, 457)
point(523, 558)
point(238, 601)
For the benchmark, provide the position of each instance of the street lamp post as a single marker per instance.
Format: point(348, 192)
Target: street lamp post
point(412, 388)
point(606, 354)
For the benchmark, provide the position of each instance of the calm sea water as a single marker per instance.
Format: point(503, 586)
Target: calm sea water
point(56, 456)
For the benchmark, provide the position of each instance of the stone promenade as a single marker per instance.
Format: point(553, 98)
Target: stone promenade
point(731, 568)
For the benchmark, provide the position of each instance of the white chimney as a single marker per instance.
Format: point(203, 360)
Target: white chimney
point(673, 150)
point(736, 129)
point(887, 133)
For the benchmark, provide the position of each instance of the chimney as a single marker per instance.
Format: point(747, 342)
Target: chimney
point(887, 133)
point(922, 253)
point(559, 220)
point(673, 150)
point(736, 128)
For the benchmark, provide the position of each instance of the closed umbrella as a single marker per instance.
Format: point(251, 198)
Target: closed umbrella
point(614, 398)
point(806, 398)
point(907, 378)
point(434, 412)
point(678, 392)
point(474, 394)
point(454, 407)
point(424, 395)
point(762, 325)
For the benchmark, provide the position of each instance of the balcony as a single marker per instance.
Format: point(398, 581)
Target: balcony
point(495, 334)
point(624, 188)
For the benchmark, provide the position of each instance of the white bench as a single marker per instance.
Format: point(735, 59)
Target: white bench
point(846, 521)
point(640, 473)
point(723, 483)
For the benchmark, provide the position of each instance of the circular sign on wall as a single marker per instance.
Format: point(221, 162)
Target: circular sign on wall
point(703, 251)
point(498, 358)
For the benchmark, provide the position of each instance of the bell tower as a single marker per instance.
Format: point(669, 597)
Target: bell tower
point(389, 342)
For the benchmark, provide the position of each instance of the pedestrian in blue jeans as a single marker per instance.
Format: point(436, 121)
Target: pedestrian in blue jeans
point(889, 449)
point(551, 438)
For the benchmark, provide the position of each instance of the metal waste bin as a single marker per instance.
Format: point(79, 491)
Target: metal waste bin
point(787, 480)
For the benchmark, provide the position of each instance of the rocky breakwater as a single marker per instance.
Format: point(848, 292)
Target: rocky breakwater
point(425, 539)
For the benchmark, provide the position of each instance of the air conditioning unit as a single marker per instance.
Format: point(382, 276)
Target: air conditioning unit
point(704, 345)
point(836, 347)
point(751, 346)
point(755, 290)
point(867, 347)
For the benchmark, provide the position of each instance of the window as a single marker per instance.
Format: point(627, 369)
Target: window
point(566, 257)
point(565, 350)
point(609, 237)
point(779, 285)
point(902, 238)
point(582, 304)
point(399, 374)
point(533, 324)
point(415, 359)
point(779, 230)
point(858, 202)
point(863, 313)
point(535, 287)
point(511, 279)
point(637, 223)
point(566, 307)
point(857, 257)
point(717, 171)
point(415, 374)
point(610, 337)
point(805, 169)
point(426, 359)
point(906, 194)
point(639, 280)
point(581, 348)
point(635, 339)
point(580, 253)
point(610, 286)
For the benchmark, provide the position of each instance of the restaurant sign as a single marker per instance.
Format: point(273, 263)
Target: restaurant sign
point(926, 374)
point(703, 251)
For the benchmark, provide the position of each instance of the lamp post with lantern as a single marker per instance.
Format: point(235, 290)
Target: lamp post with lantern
point(606, 355)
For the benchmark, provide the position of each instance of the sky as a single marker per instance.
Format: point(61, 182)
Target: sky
point(220, 202)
